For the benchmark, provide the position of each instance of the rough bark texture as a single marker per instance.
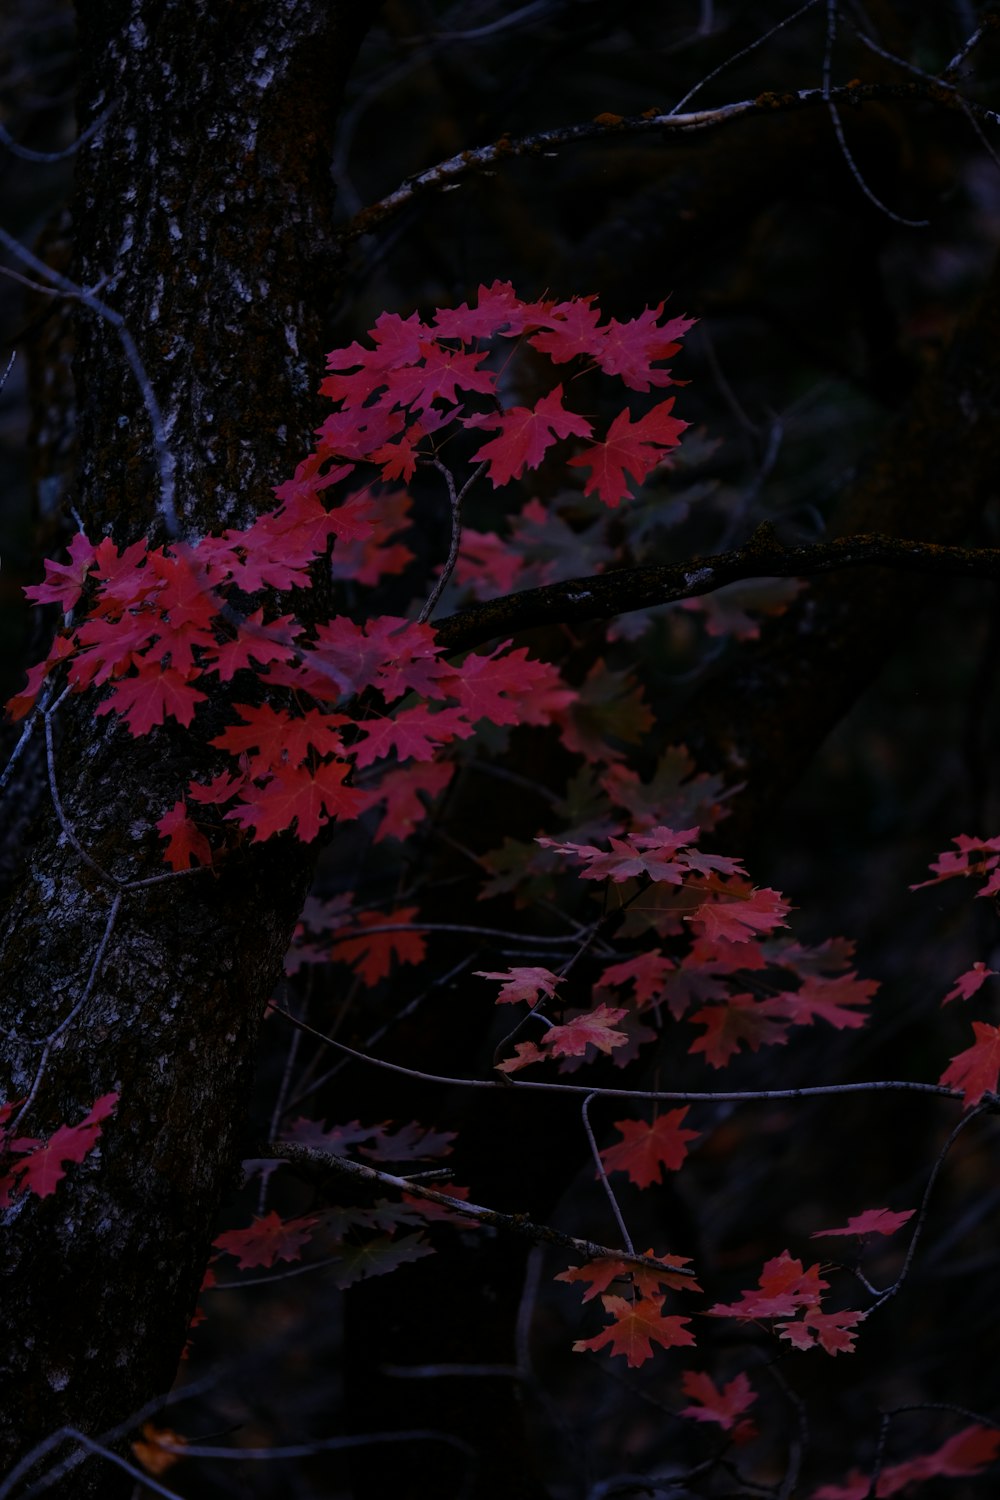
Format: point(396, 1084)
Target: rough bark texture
point(205, 201)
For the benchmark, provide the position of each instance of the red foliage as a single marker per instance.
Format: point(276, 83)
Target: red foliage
point(41, 1165)
point(364, 719)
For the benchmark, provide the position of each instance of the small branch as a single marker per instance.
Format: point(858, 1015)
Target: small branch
point(519, 1224)
point(71, 1434)
point(27, 154)
point(511, 1086)
point(602, 1174)
point(967, 1119)
point(621, 590)
point(53, 1036)
point(64, 823)
point(165, 461)
point(456, 497)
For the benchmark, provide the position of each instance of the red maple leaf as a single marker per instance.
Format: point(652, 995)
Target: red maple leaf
point(498, 310)
point(626, 350)
point(525, 1053)
point(394, 655)
point(403, 789)
point(967, 1452)
point(872, 1221)
point(373, 557)
point(629, 349)
point(397, 341)
point(526, 433)
point(152, 696)
point(373, 954)
point(278, 738)
point(975, 857)
point(829, 1331)
point(256, 643)
point(591, 1028)
point(724, 1406)
point(439, 376)
point(64, 581)
point(23, 702)
point(186, 844)
point(267, 1239)
point(633, 448)
point(967, 984)
point(522, 983)
point(645, 1150)
point(298, 798)
point(646, 971)
point(635, 1327)
point(736, 920)
point(977, 1069)
point(508, 687)
point(43, 1163)
point(784, 1287)
point(739, 1019)
point(414, 734)
point(651, 854)
point(837, 999)
point(598, 1275)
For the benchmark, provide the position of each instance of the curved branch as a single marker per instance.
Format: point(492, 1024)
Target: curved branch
point(449, 174)
point(622, 590)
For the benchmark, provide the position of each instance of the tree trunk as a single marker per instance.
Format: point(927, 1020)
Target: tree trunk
point(202, 212)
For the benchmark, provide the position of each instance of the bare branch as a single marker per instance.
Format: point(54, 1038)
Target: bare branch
point(621, 590)
point(453, 171)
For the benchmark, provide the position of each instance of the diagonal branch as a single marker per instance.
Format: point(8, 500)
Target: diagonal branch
point(622, 590)
point(519, 1224)
point(448, 174)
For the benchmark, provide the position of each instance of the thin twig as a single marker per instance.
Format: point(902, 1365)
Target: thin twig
point(456, 498)
point(27, 154)
point(72, 1434)
point(166, 464)
point(967, 1119)
point(602, 1174)
point(512, 1086)
point(53, 1036)
point(736, 56)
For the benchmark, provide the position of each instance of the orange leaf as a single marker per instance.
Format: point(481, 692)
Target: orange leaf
point(154, 1448)
point(635, 1327)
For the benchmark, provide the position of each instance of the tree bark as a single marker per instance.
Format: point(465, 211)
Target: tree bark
point(203, 213)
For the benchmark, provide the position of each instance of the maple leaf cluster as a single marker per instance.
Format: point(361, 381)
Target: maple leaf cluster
point(333, 720)
point(398, 397)
point(745, 986)
point(358, 1242)
point(790, 1296)
point(976, 1070)
point(966, 1452)
point(162, 628)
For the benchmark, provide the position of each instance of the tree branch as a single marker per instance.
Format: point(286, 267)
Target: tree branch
point(448, 174)
point(519, 1224)
point(622, 590)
